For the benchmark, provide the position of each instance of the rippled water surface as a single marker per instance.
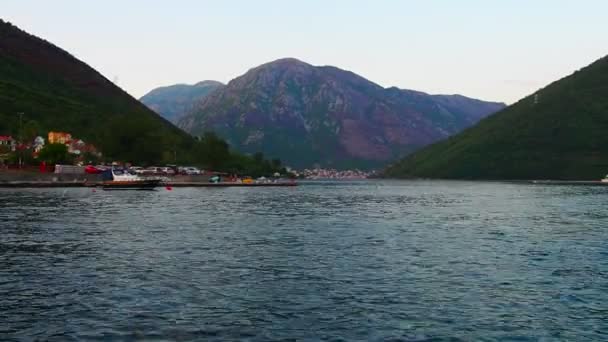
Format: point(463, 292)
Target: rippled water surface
point(402, 261)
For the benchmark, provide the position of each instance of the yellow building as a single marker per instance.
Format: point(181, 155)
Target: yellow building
point(59, 138)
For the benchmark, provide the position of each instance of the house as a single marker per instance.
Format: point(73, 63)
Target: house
point(77, 147)
point(38, 144)
point(8, 141)
point(60, 138)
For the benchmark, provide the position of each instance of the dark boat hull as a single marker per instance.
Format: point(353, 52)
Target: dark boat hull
point(150, 184)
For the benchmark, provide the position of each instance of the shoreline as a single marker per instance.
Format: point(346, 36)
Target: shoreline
point(32, 179)
point(29, 179)
point(86, 184)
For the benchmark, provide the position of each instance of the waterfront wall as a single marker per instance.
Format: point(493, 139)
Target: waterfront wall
point(32, 176)
point(36, 176)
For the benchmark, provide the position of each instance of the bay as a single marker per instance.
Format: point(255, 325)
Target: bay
point(366, 260)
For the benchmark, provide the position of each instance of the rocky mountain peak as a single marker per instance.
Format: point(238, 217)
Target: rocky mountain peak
point(309, 115)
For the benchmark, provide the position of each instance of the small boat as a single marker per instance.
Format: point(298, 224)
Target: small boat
point(123, 179)
point(605, 179)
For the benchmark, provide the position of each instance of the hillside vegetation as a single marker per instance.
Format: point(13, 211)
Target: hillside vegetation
point(559, 132)
point(55, 91)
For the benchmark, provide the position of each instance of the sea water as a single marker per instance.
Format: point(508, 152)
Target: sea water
point(338, 261)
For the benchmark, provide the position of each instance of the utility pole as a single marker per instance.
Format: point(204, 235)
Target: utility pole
point(20, 139)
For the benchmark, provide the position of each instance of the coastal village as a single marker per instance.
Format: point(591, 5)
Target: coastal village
point(321, 173)
point(10, 146)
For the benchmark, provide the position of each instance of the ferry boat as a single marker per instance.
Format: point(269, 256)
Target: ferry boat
point(123, 179)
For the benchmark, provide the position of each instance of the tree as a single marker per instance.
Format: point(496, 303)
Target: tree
point(136, 142)
point(213, 151)
point(277, 164)
point(90, 158)
point(55, 154)
point(4, 149)
point(31, 129)
point(258, 157)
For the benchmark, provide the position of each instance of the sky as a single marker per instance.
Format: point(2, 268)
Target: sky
point(492, 50)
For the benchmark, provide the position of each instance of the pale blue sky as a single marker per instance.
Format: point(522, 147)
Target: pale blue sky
point(493, 50)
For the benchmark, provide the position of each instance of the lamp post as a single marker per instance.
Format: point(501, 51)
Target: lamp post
point(20, 139)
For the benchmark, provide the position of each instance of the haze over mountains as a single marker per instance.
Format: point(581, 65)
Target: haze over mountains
point(309, 115)
point(176, 100)
point(559, 132)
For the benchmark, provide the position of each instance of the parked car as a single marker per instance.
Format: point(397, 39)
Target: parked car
point(191, 170)
point(167, 171)
point(92, 170)
point(152, 170)
point(137, 169)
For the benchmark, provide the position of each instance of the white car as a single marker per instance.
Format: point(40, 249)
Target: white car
point(137, 169)
point(152, 170)
point(167, 171)
point(190, 170)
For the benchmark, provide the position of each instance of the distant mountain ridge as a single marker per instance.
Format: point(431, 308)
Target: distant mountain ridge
point(308, 115)
point(558, 132)
point(173, 101)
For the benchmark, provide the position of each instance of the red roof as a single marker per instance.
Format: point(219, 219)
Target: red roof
point(6, 138)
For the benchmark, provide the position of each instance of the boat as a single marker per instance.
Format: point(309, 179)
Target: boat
point(605, 179)
point(123, 179)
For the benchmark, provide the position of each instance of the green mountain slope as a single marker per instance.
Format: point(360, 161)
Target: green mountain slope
point(171, 102)
point(560, 132)
point(55, 91)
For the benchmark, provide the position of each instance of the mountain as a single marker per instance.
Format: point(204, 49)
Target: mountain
point(173, 101)
point(559, 132)
point(56, 91)
point(307, 115)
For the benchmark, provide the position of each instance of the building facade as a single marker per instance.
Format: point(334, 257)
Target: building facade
point(59, 138)
point(8, 141)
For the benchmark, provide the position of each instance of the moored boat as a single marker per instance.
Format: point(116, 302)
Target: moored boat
point(122, 179)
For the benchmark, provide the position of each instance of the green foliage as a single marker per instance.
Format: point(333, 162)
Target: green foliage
point(90, 158)
point(557, 133)
point(212, 151)
point(32, 129)
point(253, 166)
point(55, 154)
point(4, 149)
